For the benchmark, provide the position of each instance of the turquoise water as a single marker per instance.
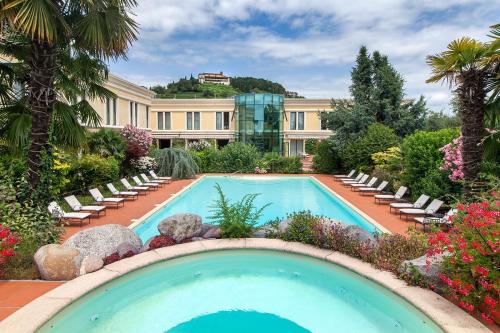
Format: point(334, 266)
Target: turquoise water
point(286, 195)
point(241, 291)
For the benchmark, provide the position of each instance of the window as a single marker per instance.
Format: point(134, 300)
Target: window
point(222, 120)
point(110, 111)
point(296, 121)
point(147, 116)
point(164, 120)
point(131, 112)
point(193, 120)
point(135, 118)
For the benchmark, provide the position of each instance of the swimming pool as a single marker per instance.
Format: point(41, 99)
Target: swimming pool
point(241, 291)
point(286, 195)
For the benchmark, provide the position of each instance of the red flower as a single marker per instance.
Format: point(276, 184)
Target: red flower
point(490, 301)
point(7, 252)
point(481, 270)
point(466, 257)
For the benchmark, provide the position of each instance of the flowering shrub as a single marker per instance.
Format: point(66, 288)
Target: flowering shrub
point(8, 240)
point(260, 171)
point(453, 161)
point(470, 272)
point(144, 164)
point(138, 141)
point(199, 145)
point(161, 241)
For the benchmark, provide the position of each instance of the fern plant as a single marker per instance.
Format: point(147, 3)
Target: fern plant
point(175, 163)
point(238, 219)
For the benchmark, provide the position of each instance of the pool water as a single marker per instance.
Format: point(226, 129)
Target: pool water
point(285, 194)
point(241, 291)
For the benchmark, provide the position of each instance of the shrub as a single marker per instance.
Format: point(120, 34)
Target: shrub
point(8, 240)
point(206, 159)
point(388, 165)
point(91, 171)
point(175, 163)
point(470, 272)
point(327, 158)
point(107, 143)
point(236, 220)
point(422, 161)
point(312, 146)
point(276, 163)
point(143, 164)
point(302, 228)
point(358, 154)
point(238, 156)
point(138, 141)
point(199, 145)
point(178, 143)
point(161, 241)
point(453, 161)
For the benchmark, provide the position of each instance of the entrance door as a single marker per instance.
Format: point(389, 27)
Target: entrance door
point(296, 147)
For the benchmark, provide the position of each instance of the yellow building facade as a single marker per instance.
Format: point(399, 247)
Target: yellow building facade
point(186, 120)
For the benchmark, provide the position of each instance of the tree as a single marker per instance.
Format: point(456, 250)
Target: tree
point(361, 76)
point(470, 66)
point(55, 29)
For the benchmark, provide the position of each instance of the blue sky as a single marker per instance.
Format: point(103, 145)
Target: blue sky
point(307, 45)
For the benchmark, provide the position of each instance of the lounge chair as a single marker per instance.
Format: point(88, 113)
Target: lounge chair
point(372, 190)
point(124, 194)
point(156, 181)
point(445, 220)
point(78, 207)
point(362, 180)
point(418, 204)
point(59, 213)
point(153, 186)
point(430, 210)
point(372, 182)
point(349, 175)
point(358, 177)
point(392, 197)
point(153, 174)
point(141, 189)
point(101, 200)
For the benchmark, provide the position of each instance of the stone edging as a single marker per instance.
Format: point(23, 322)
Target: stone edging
point(32, 316)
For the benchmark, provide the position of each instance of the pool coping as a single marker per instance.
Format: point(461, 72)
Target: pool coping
point(449, 317)
point(139, 221)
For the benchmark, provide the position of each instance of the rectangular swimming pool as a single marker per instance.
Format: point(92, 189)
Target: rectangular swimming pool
point(286, 195)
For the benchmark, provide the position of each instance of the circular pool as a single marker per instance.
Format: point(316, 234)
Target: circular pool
point(241, 291)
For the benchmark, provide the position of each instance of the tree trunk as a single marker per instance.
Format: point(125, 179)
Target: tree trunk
point(472, 93)
point(42, 97)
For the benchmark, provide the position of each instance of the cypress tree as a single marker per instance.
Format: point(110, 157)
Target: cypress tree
point(361, 76)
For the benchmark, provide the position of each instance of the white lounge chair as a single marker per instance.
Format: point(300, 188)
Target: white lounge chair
point(153, 186)
point(349, 175)
point(445, 220)
point(418, 204)
point(124, 194)
point(349, 180)
point(391, 197)
point(78, 207)
point(156, 181)
point(59, 213)
point(153, 174)
point(431, 209)
point(140, 189)
point(100, 199)
point(362, 180)
point(372, 182)
point(372, 190)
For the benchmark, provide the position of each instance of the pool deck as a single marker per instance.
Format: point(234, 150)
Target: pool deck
point(15, 294)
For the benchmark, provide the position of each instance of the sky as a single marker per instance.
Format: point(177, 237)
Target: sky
point(309, 46)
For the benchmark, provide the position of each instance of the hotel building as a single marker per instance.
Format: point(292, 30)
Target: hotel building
point(269, 121)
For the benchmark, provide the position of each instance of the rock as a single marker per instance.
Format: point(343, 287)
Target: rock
point(204, 228)
point(104, 240)
point(264, 232)
point(429, 272)
point(196, 239)
point(125, 249)
point(213, 232)
point(361, 234)
point(284, 224)
point(90, 264)
point(180, 226)
point(57, 262)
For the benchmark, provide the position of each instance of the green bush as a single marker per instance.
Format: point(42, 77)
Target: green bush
point(327, 158)
point(312, 146)
point(302, 228)
point(92, 171)
point(176, 163)
point(238, 156)
point(422, 160)
point(388, 165)
point(178, 143)
point(276, 163)
point(358, 154)
point(236, 220)
point(207, 159)
point(107, 143)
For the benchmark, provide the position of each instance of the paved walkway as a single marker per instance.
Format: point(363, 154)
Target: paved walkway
point(14, 294)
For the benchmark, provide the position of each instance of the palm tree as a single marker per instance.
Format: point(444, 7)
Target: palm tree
point(60, 32)
point(469, 66)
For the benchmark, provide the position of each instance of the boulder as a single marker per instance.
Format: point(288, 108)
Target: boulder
point(264, 232)
point(90, 264)
point(197, 239)
point(204, 228)
point(57, 262)
point(180, 226)
point(213, 232)
point(126, 249)
point(284, 224)
point(429, 272)
point(361, 234)
point(105, 240)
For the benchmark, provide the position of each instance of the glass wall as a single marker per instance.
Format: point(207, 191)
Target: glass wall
point(260, 121)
